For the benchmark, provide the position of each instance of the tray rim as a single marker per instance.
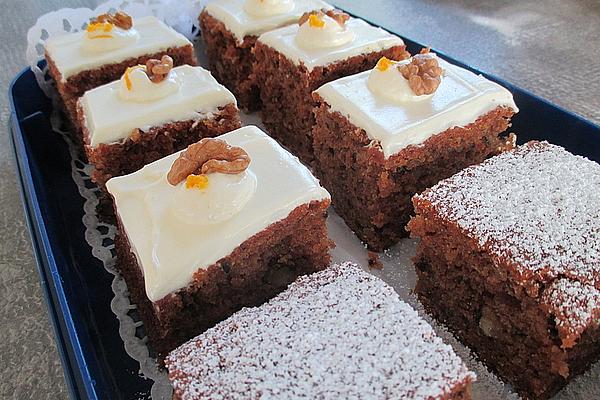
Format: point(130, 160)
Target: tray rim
point(67, 341)
point(80, 383)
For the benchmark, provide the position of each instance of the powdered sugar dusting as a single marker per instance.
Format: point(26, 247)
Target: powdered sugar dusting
point(575, 307)
point(339, 333)
point(536, 208)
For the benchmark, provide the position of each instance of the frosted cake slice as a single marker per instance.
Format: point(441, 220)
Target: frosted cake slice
point(225, 224)
point(383, 135)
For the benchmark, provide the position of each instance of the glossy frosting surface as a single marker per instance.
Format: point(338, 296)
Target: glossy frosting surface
point(234, 14)
point(106, 37)
point(109, 116)
point(367, 39)
point(460, 99)
point(174, 236)
point(71, 54)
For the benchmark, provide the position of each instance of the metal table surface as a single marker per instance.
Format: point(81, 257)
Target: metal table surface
point(549, 47)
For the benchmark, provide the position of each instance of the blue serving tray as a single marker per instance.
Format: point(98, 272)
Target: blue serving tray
point(75, 283)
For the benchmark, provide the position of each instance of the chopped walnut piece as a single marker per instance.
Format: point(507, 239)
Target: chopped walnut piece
point(423, 73)
point(339, 16)
point(120, 19)
point(158, 70)
point(136, 135)
point(206, 156)
point(304, 18)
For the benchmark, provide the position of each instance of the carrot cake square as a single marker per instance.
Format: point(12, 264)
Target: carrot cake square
point(227, 223)
point(230, 29)
point(154, 110)
point(293, 61)
point(383, 135)
point(340, 333)
point(509, 259)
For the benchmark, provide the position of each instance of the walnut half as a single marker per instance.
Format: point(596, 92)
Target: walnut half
point(158, 70)
point(424, 73)
point(120, 19)
point(206, 156)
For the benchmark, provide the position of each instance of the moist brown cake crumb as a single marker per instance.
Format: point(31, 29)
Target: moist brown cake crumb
point(231, 62)
point(374, 260)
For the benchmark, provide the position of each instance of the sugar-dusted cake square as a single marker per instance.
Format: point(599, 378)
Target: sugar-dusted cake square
point(340, 333)
point(509, 258)
point(147, 115)
point(230, 29)
point(293, 61)
point(101, 53)
point(227, 223)
point(383, 135)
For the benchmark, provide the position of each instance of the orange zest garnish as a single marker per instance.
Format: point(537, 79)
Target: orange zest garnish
point(127, 78)
point(101, 37)
point(315, 21)
point(100, 26)
point(384, 63)
point(196, 181)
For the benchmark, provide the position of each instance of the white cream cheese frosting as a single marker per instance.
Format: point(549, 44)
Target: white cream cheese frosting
point(385, 80)
point(175, 231)
point(267, 8)
point(461, 98)
point(110, 115)
point(322, 31)
point(104, 36)
point(254, 17)
point(366, 39)
point(136, 86)
point(72, 53)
